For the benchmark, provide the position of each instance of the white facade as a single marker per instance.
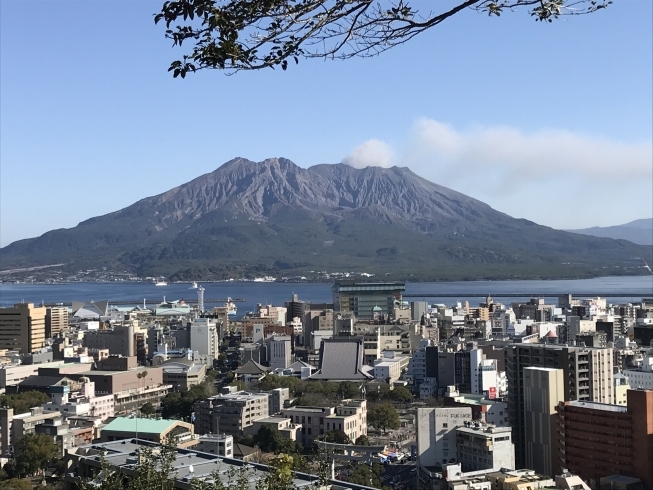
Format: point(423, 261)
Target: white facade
point(204, 337)
point(436, 433)
point(279, 354)
point(643, 377)
point(89, 325)
point(222, 445)
point(482, 447)
point(390, 366)
point(11, 375)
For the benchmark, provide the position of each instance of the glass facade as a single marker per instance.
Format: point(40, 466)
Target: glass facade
point(366, 300)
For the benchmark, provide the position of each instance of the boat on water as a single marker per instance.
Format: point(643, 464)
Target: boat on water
point(161, 283)
point(194, 286)
point(231, 307)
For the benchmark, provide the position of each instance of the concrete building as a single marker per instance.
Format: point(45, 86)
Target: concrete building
point(543, 390)
point(13, 427)
point(277, 400)
point(436, 434)
point(493, 412)
point(597, 440)
point(641, 378)
point(284, 425)
point(230, 413)
point(22, 328)
point(391, 366)
point(12, 375)
point(204, 337)
point(483, 447)
point(350, 418)
point(587, 375)
point(221, 445)
point(183, 375)
point(279, 351)
point(56, 321)
point(362, 297)
point(120, 340)
point(204, 466)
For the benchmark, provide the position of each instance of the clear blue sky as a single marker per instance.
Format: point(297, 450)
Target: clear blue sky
point(547, 122)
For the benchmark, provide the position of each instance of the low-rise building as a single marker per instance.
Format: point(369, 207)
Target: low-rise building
point(154, 430)
point(183, 375)
point(286, 427)
point(350, 418)
point(483, 447)
point(230, 413)
point(641, 378)
point(219, 444)
point(391, 366)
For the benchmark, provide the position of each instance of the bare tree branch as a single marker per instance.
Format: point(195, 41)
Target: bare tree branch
point(234, 35)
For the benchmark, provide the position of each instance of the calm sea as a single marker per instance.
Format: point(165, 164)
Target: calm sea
point(276, 293)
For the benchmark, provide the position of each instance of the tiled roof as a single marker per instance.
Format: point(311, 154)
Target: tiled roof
point(251, 367)
point(341, 359)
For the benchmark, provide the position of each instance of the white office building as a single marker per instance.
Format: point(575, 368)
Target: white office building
point(436, 434)
point(204, 337)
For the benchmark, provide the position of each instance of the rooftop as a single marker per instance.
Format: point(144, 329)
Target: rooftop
point(191, 464)
point(145, 426)
point(598, 406)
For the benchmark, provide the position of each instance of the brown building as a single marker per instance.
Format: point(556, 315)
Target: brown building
point(587, 375)
point(598, 440)
point(120, 340)
point(56, 321)
point(22, 328)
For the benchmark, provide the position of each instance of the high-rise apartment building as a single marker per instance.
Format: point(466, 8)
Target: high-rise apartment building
point(22, 327)
point(56, 321)
point(587, 375)
point(363, 298)
point(543, 390)
point(597, 440)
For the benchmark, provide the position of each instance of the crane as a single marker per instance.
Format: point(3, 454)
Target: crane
point(646, 265)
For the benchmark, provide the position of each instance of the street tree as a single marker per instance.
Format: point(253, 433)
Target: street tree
point(336, 436)
point(34, 452)
point(238, 35)
point(348, 389)
point(148, 409)
point(383, 416)
point(400, 394)
point(367, 475)
point(362, 440)
point(270, 440)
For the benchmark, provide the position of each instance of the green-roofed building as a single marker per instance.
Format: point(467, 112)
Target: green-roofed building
point(154, 430)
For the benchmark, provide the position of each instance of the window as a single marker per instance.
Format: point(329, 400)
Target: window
point(309, 430)
point(445, 425)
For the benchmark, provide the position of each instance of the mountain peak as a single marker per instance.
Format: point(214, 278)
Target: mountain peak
point(337, 217)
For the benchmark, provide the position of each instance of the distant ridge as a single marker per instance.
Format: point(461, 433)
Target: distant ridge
point(274, 218)
point(639, 231)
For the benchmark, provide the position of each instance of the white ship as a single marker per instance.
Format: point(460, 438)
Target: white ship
point(194, 286)
point(161, 283)
point(231, 308)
